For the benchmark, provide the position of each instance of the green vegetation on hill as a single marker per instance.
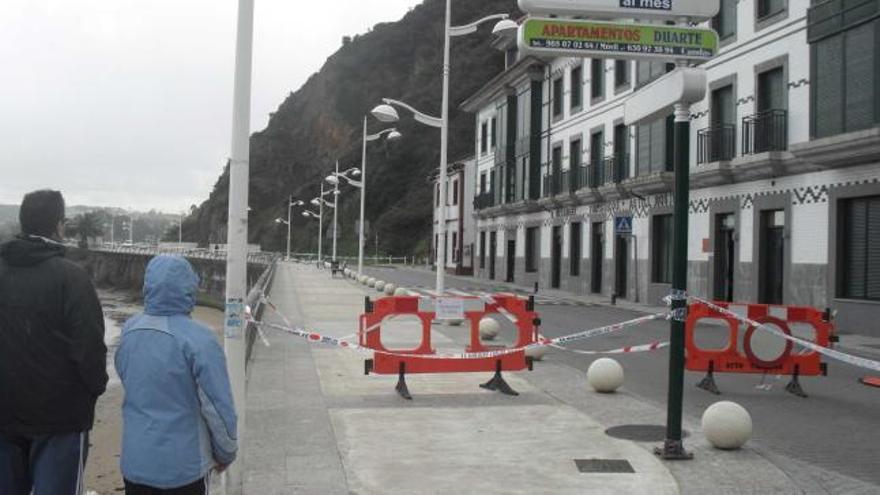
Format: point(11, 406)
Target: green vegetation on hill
point(322, 122)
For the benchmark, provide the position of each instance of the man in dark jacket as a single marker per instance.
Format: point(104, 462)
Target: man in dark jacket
point(52, 356)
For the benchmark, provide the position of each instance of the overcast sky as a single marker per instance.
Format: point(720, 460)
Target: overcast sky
point(128, 102)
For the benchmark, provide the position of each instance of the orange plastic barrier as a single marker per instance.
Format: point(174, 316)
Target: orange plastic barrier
point(477, 357)
point(732, 359)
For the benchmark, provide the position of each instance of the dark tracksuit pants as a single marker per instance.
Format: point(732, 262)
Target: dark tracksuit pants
point(43, 464)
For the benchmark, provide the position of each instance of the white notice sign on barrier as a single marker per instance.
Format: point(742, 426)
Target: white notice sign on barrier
point(449, 308)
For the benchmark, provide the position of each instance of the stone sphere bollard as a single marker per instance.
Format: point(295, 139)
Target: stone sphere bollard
point(727, 425)
point(362, 279)
point(400, 291)
point(489, 328)
point(389, 289)
point(536, 352)
point(605, 375)
point(380, 285)
point(371, 282)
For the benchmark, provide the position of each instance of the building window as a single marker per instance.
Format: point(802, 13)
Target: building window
point(531, 249)
point(622, 76)
point(483, 249)
point(597, 78)
point(454, 247)
point(483, 183)
point(655, 146)
point(661, 249)
point(860, 249)
point(725, 22)
point(769, 8)
point(437, 195)
point(845, 89)
point(455, 192)
point(771, 90)
point(646, 72)
point(574, 252)
point(577, 85)
point(484, 138)
point(557, 97)
point(575, 155)
point(494, 132)
point(722, 107)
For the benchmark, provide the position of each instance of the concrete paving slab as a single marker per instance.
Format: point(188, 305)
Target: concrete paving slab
point(486, 450)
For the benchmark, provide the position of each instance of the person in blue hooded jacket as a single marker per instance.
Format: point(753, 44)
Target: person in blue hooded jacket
point(179, 420)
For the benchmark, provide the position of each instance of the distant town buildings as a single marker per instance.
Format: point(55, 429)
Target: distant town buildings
point(460, 219)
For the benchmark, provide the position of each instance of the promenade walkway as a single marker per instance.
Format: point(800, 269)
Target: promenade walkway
point(317, 424)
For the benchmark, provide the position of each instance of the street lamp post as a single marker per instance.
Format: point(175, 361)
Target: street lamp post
point(335, 211)
point(237, 228)
point(290, 204)
point(391, 135)
point(334, 179)
point(320, 202)
point(443, 122)
point(320, 218)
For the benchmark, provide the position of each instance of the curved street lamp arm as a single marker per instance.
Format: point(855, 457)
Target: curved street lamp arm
point(472, 27)
point(378, 135)
point(426, 119)
point(351, 181)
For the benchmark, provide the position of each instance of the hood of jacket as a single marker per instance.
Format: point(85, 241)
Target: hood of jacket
point(26, 250)
point(170, 286)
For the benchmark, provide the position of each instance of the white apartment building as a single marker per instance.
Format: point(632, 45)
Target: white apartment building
point(460, 222)
point(785, 167)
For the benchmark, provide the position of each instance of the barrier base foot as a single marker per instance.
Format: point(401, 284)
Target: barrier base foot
point(498, 383)
point(673, 450)
point(708, 384)
point(794, 386)
point(871, 381)
point(401, 387)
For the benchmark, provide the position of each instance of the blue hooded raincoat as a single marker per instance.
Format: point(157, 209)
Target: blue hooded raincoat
point(178, 414)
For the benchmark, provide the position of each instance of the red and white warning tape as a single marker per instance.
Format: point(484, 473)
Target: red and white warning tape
point(623, 350)
point(556, 342)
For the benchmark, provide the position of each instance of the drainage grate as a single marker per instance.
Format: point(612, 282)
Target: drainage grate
point(604, 466)
point(639, 433)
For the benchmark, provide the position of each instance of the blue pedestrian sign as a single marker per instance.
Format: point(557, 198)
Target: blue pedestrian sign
point(623, 225)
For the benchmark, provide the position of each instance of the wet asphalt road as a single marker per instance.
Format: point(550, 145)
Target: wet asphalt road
point(836, 428)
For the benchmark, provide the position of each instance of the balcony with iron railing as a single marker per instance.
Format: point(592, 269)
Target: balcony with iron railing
point(764, 132)
point(484, 200)
point(616, 168)
point(716, 144)
point(596, 174)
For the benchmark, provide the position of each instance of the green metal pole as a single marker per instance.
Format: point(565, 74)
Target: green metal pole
point(673, 448)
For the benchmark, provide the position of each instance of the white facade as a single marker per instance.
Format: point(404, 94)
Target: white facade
point(561, 188)
point(460, 219)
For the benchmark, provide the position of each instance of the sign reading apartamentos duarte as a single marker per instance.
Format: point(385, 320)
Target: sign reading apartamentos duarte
point(574, 38)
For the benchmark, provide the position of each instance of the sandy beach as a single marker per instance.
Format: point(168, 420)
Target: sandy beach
point(102, 470)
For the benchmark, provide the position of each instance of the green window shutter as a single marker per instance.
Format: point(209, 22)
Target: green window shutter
point(860, 77)
point(872, 271)
point(828, 90)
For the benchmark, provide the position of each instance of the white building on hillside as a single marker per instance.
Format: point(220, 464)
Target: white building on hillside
point(459, 206)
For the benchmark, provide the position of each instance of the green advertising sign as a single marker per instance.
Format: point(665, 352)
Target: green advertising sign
point(574, 38)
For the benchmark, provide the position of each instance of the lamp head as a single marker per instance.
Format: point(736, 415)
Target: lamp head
point(355, 172)
point(332, 179)
point(306, 214)
point(505, 27)
point(394, 136)
point(278, 220)
point(385, 113)
point(316, 202)
point(297, 203)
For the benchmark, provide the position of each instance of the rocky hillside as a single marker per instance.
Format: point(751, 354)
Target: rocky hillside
point(322, 122)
